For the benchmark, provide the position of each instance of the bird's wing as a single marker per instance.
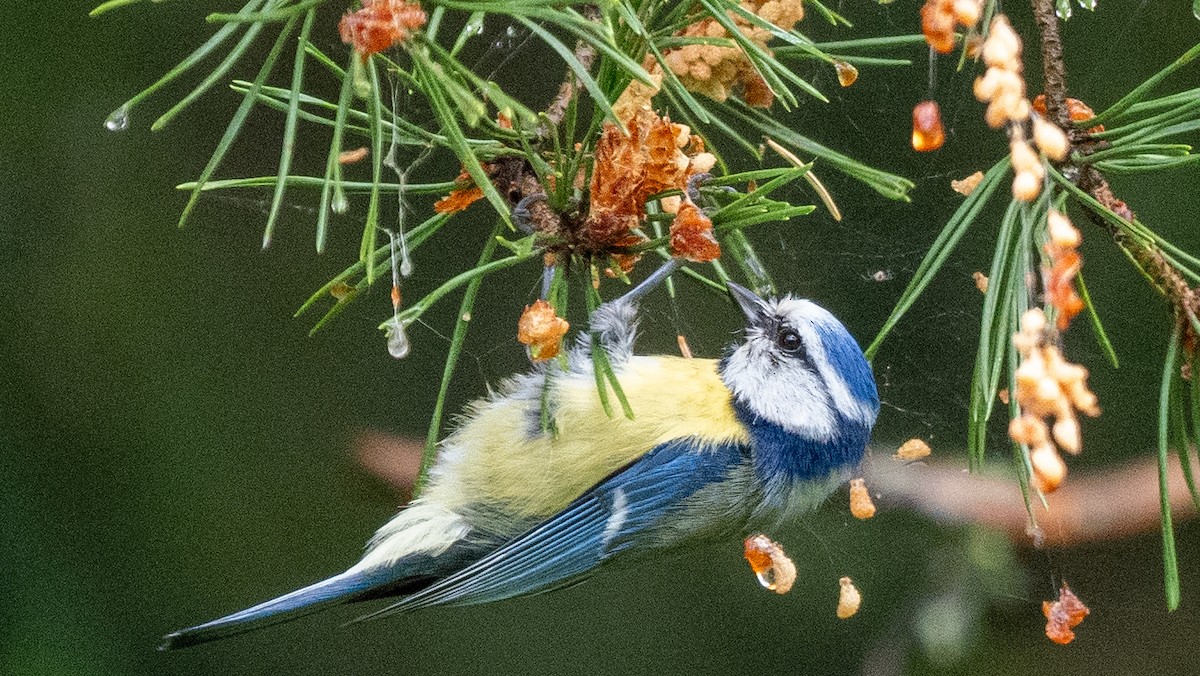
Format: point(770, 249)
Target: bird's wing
point(600, 523)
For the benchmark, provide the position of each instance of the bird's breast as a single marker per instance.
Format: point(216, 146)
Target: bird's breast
point(501, 457)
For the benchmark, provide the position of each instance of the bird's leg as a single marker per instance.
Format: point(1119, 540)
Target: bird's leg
point(615, 322)
point(647, 285)
point(548, 273)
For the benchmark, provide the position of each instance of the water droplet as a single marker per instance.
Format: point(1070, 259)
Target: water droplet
point(511, 31)
point(880, 276)
point(406, 265)
point(1063, 9)
point(340, 204)
point(398, 345)
point(1089, 5)
point(118, 120)
point(466, 316)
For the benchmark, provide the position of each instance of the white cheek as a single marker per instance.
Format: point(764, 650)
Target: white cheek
point(787, 395)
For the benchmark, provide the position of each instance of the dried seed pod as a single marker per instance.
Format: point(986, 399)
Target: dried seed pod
point(981, 281)
point(848, 599)
point(692, 235)
point(861, 505)
point(927, 132)
point(717, 71)
point(1063, 615)
point(352, 156)
point(542, 330)
point(846, 72)
point(913, 449)
point(461, 197)
point(967, 185)
point(768, 561)
point(629, 168)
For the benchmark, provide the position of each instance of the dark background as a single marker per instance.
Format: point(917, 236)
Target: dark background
point(173, 446)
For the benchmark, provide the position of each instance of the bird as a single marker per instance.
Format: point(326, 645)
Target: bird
point(715, 448)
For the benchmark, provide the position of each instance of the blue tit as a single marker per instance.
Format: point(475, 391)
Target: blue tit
point(715, 449)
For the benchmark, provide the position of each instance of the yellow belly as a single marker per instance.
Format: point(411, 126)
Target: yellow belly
point(497, 458)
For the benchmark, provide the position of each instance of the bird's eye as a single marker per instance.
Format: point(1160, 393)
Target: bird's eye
point(789, 341)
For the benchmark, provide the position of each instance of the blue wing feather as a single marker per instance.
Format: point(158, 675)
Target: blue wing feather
point(606, 520)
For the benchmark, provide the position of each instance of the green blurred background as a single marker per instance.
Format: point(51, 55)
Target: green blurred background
point(173, 446)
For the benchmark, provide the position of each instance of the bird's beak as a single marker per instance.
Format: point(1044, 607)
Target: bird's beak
point(752, 306)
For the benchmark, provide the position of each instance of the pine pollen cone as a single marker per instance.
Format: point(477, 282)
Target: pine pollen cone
point(1002, 87)
point(1048, 387)
point(716, 71)
point(542, 330)
point(655, 156)
point(380, 25)
point(1063, 239)
point(939, 18)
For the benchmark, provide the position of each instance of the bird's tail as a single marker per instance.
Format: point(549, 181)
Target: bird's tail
point(351, 585)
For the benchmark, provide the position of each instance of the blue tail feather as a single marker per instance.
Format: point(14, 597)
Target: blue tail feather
point(348, 586)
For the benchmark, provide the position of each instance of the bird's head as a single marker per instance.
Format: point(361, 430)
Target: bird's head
point(801, 372)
